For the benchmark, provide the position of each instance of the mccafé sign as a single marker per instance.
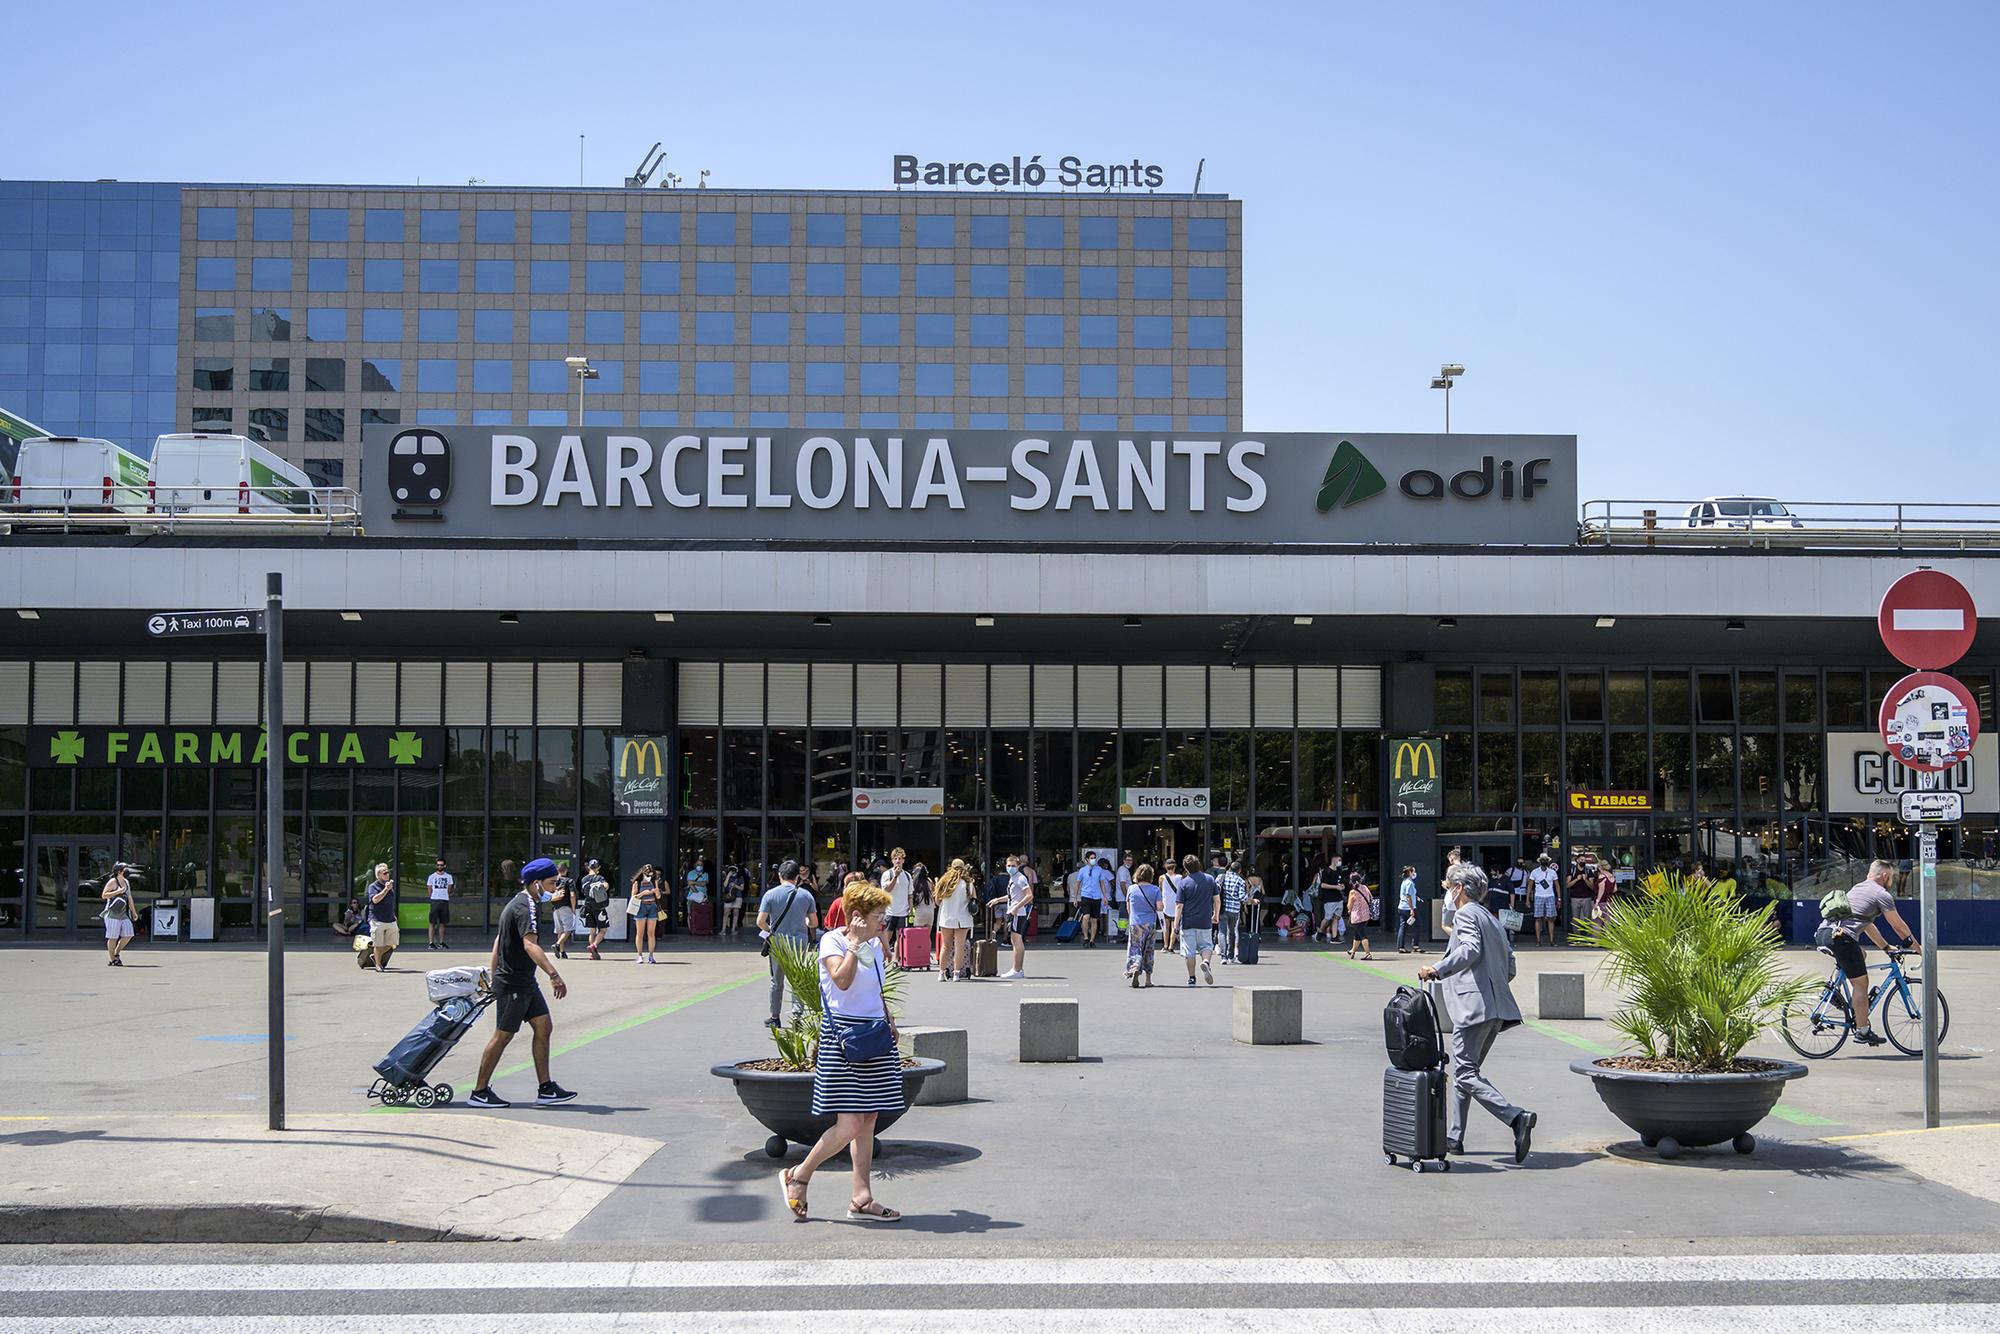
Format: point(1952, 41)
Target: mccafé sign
point(638, 776)
point(1416, 778)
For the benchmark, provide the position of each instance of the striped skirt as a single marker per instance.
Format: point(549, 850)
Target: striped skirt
point(840, 1085)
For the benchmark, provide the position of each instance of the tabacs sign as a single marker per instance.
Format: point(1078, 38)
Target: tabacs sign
point(638, 776)
point(178, 747)
point(1616, 802)
point(1416, 778)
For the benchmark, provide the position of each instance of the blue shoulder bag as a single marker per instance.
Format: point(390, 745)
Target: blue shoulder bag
point(869, 1040)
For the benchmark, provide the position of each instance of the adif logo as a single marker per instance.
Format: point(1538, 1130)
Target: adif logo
point(419, 473)
point(1350, 479)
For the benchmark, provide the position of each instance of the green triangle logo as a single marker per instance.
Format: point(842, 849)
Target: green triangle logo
point(1349, 479)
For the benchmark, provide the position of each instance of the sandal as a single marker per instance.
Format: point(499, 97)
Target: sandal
point(795, 1195)
point(872, 1212)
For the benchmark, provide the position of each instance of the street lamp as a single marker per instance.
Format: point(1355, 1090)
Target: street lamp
point(581, 368)
point(1442, 380)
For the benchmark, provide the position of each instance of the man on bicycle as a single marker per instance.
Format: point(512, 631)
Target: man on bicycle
point(1867, 901)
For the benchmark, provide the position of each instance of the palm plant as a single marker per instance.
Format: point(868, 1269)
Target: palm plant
point(1702, 971)
point(797, 1038)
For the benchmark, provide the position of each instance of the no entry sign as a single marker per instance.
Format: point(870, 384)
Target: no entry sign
point(1927, 620)
point(1929, 721)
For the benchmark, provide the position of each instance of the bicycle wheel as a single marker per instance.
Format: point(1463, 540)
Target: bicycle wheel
point(1903, 1023)
point(1815, 1030)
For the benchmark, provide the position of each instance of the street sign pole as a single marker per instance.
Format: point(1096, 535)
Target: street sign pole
point(1927, 889)
point(274, 840)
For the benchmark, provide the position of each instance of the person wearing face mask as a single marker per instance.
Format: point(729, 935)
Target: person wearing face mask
point(1478, 968)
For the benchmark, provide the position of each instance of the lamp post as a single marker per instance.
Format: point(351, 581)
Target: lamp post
point(1442, 380)
point(581, 368)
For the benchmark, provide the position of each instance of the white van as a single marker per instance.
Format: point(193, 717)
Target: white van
point(204, 472)
point(57, 472)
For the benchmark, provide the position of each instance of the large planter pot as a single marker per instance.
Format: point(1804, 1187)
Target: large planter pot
point(1675, 1111)
point(781, 1100)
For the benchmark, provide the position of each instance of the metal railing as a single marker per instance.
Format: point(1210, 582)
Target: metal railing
point(1853, 525)
point(293, 509)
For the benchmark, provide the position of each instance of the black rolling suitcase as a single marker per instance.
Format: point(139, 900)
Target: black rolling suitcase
point(1246, 941)
point(1413, 1087)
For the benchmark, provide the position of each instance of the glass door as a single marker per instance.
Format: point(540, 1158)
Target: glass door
point(69, 875)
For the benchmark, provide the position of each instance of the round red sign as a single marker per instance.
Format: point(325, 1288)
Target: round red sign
point(1929, 721)
point(861, 801)
point(1927, 620)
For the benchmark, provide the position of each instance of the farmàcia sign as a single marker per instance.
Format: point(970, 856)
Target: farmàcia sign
point(176, 747)
point(1069, 170)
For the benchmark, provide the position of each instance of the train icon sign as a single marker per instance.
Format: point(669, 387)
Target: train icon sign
point(1927, 620)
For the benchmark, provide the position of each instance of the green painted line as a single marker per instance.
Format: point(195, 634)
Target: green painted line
point(1410, 980)
point(1785, 1112)
point(644, 1017)
point(1573, 1039)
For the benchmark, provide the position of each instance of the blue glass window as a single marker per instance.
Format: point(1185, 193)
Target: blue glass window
point(823, 421)
point(877, 421)
point(610, 378)
point(548, 326)
point(715, 277)
point(1097, 233)
point(64, 266)
point(1043, 233)
point(549, 226)
point(1207, 233)
point(326, 326)
point(1043, 280)
point(826, 229)
point(214, 274)
point(881, 279)
point(658, 327)
point(1097, 381)
point(271, 224)
point(604, 277)
point(936, 280)
point(492, 326)
point(770, 229)
point(14, 266)
point(493, 275)
point(660, 277)
point(934, 380)
point(935, 330)
point(937, 231)
point(826, 280)
point(826, 330)
point(67, 359)
point(988, 331)
point(770, 377)
point(439, 226)
point(881, 378)
point(379, 374)
point(715, 328)
point(437, 326)
point(1208, 284)
point(326, 275)
point(114, 312)
point(1152, 382)
point(492, 417)
point(659, 419)
point(326, 224)
point(987, 421)
point(1152, 282)
point(604, 227)
point(881, 229)
point(1042, 381)
point(1207, 331)
point(437, 376)
point(881, 330)
point(382, 326)
point(771, 279)
point(1097, 282)
point(494, 226)
point(603, 326)
point(1152, 421)
point(547, 416)
point(382, 224)
point(492, 377)
point(1042, 331)
point(548, 275)
point(714, 229)
point(270, 275)
point(1208, 382)
point(381, 275)
point(1203, 422)
point(989, 280)
point(1152, 331)
point(660, 228)
point(989, 232)
point(988, 380)
point(826, 378)
point(715, 377)
point(547, 377)
point(1097, 421)
point(437, 275)
point(770, 328)
point(215, 224)
point(1097, 331)
point(1152, 233)
point(659, 377)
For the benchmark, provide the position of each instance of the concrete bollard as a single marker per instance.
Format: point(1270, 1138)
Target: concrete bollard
point(948, 1045)
point(1267, 1016)
point(1049, 1030)
point(1561, 996)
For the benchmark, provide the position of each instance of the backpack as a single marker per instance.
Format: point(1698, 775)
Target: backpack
point(1410, 1028)
point(1835, 907)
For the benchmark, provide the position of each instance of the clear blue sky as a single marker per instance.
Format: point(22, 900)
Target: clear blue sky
point(1733, 247)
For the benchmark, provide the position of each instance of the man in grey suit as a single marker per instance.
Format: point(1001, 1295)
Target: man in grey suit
point(1477, 968)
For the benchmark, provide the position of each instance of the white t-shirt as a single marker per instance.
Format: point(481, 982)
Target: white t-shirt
point(440, 883)
point(1170, 896)
point(898, 885)
point(1544, 880)
point(861, 1000)
point(1020, 893)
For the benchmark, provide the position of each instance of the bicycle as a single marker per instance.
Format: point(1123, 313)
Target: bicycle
point(1824, 1027)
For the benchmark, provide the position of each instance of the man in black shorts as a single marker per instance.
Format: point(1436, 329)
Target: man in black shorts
point(517, 954)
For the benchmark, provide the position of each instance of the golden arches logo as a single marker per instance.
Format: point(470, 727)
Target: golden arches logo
point(644, 752)
point(1415, 759)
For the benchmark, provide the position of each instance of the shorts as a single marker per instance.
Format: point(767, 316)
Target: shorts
point(513, 1007)
point(596, 915)
point(566, 921)
point(117, 928)
point(648, 912)
point(1545, 906)
point(1197, 940)
point(440, 912)
point(1848, 954)
point(897, 921)
point(1018, 924)
point(385, 935)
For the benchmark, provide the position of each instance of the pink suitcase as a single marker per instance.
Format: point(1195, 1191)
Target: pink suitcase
point(913, 947)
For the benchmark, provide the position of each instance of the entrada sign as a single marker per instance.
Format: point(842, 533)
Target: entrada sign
point(170, 747)
point(1613, 802)
point(639, 776)
point(1070, 170)
point(958, 486)
point(1163, 801)
point(1416, 778)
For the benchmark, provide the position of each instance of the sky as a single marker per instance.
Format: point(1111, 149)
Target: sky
point(1732, 248)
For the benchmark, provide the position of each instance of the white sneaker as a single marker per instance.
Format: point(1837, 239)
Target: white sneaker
point(1012, 973)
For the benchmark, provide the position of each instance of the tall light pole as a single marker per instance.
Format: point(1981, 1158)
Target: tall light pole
point(1442, 380)
point(581, 368)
